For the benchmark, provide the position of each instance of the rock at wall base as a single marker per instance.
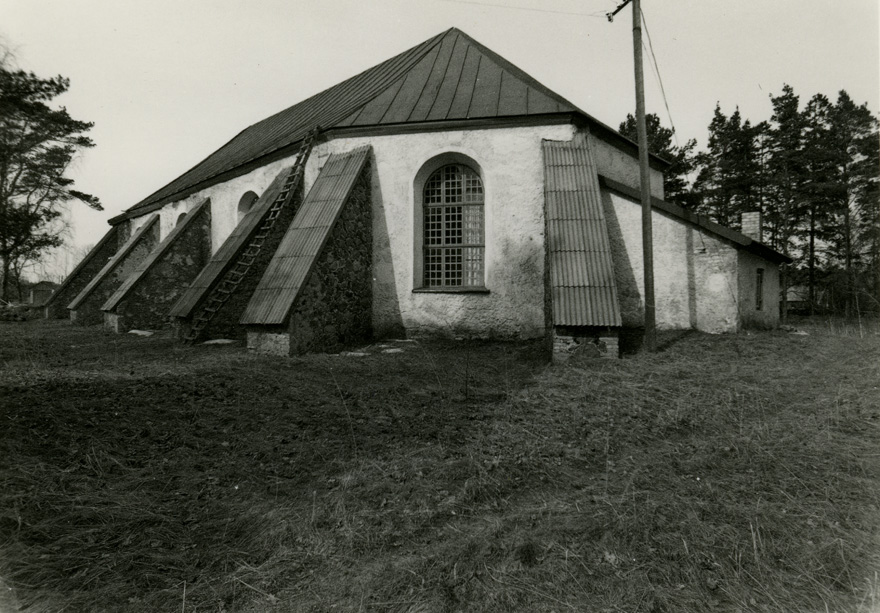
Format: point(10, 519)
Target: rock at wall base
point(585, 344)
point(269, 343)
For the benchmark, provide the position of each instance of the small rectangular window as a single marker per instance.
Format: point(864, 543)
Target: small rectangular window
point(759, 289)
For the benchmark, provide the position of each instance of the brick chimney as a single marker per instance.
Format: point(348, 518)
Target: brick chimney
point(752, 225)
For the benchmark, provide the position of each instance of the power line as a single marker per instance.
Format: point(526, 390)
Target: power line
point(527, 8)
point(660, 79)
point(656, 67)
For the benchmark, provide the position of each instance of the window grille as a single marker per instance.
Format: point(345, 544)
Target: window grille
point(454, 242)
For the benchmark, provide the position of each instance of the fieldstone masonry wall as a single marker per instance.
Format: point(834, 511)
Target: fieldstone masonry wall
point(584, 342)
point(56, 308)
point(334, 308)
point(88, 311)
point(225, 322)
point(146, 306)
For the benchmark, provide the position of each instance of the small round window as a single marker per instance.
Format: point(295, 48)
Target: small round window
point(246, 203)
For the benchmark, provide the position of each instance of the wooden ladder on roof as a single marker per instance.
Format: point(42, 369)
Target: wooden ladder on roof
point(230, 281)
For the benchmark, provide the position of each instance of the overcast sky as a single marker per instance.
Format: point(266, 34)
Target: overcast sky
point(167, 82)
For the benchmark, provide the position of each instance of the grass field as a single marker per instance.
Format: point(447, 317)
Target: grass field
point(724, 473)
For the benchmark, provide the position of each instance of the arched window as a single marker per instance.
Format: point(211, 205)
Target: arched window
point(245, 203)
point(454, 244)
point(180, 219)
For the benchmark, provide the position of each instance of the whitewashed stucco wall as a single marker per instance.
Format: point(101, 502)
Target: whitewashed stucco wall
point(620, 166)
point(510, 161)
point(224, 202)
point(512, 168)
point(695, 273)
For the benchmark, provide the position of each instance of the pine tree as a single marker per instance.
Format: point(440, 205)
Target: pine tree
point(660, 143)
point(853, 144)
point(784, 201)
point(37, 145)
point(817, 189)
point(727, 181)
point(785, 170)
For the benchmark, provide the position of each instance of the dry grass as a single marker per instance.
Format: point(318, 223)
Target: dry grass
point(731, 473)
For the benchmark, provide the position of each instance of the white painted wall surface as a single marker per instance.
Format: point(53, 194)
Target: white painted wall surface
point(512, 167)
point(615, 164)
point(695, 273)
point(511, 163)
point(224, 202)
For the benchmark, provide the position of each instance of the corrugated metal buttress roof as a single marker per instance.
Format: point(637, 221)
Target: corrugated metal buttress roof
point(301, 246)
point(154, 256)
point(225, 257)
point(114, 261)
point(583, 287)
point(448, 77)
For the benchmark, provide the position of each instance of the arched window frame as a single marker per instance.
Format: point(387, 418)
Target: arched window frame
point(246, 203)
point(450, 230)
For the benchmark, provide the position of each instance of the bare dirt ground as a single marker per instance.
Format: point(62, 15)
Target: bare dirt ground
point(725, 473)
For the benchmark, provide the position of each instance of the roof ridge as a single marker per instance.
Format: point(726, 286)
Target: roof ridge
point(428, 44)
point(505, 64)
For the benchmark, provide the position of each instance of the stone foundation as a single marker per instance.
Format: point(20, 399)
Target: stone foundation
point(272, 343)
point(111, 322)
point(585, 343)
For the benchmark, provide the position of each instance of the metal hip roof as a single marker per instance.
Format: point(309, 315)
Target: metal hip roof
point(447, 77)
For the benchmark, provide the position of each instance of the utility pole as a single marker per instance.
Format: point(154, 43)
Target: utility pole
point(650, 342)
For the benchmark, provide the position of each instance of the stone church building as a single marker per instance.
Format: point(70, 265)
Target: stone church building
point(441, 192)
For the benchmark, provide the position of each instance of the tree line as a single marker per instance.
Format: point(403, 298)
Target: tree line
point(812, 170)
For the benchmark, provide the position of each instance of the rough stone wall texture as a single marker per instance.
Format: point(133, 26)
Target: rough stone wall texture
point(620, 166)
point(146, 306)
point(585, 342)
point(225, 322)
point(695, 273)
point(273, 343)
point(57, 307)
point(127, 228)
point(89, 312)
point(334, 308)
point(768, 315)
